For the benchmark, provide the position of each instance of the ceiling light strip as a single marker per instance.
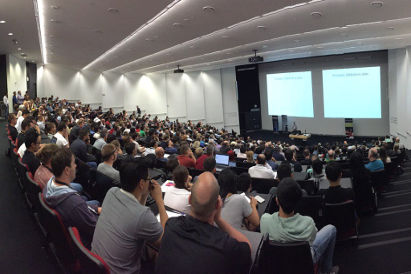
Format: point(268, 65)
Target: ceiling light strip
point(39, 14)
point(133, 34)
point(217, 32)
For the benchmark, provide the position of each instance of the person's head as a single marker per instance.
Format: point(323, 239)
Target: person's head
point(209, 164)
point(180, 176)
point(159, 153)
point(12, 119)
point(63, 164)
point(172, 163)
point(184, 150)
point(131, 149)
point(198, 152)
point(289, 193)
point(333, 172)
point(109, 153)
point(250, 156)
point(227, 180)
point(261, 159)
point(204, 197)
point(306, 153)
point(25, 113)
point(26, 124)
point(84, 134)
point(103, 133)
point(317, 167)
point(244, 182)
point(46, 153)
point(210, 150)
point(268, 153)
point(289, 154)
point(331, 154)
point(62, 127)
point(134, 178)
point(284, 171)
point(32, 140)
point(373, 154)
point(50, 128)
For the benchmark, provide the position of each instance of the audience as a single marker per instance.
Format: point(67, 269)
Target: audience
point(100, 142)
point(186, 157)
point(79, 147)
point(126, 224)
point(261, 169)
point(12, 126)
point(210, 152)
point(44, 172)
point(193, 244)
point(287, 226)
point(109, 156)
point(32, 143)
point(210, 164)
point(335, 193)
point(176, 196)
point(61, 137)
point(375, 164)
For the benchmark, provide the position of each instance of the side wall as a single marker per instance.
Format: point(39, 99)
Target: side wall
point(208, 96)
point(16, 76)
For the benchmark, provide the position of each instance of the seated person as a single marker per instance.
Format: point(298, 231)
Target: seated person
point(100, 142)
point(176, 196)
point(125, 223)
point(244, 183)
point(375, 164)
point(286, 226)
point(330, 156)
point(12, 126)
point(210, 152)
point(261, 169)
point(210, 164)
point(277, 154)
point(236, 209)
point(186, 157)
point(335, 193)
point(268, 153)
point(307, 158)
point(44, 172)
point(170, 149)
point(193, 244)
point(109, 156)
point(172, 163)
point(73, 208)
point(32, 142)
point(61, 136)
point(79, 147)
point(290, 158)
point(160, 161)
point(318, 175)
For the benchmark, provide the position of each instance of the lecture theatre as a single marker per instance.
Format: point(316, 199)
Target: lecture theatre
point(205, 136)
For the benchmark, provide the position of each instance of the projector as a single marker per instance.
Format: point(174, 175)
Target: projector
point(255, 59)
point(178, 70)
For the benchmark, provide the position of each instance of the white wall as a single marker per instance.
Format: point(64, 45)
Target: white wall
point(207, 96)
point(319, 124)
point(16, 76)
point(399, 69)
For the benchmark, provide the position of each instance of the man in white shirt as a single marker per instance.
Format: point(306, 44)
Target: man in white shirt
point(261, 169)
point(61, 135)
point(20, 120)
point(6, 106)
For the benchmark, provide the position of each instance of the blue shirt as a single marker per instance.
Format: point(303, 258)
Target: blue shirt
point(376, 165)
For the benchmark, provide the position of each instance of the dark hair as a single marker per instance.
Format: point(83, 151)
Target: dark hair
point(261, 159)
point(288, 153)
point(289, 194)
point(60, 160)
point(49, 126)
point(11, 117)
point(61, 126)
point(30, 137)
point(83, 132)
point(47, 152)
point(227, 180)
point(317, 166)
point(180, 175)
point(333, 171)
point(184, 149)
point(210, 150)
point(172, 163)
point(209, 164)
point(306, 152)
point(244, 181)
point(131, 173)
point(26, 123)
point(283, 171)
point(107, 151)
point(129, 148)
point(268, 153)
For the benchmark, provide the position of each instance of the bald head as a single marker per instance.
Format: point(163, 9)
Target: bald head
point(159, 152)
point(373, 154)
point(204, 195)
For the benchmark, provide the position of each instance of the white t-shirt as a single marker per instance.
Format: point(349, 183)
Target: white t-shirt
point(177, 199)
point(61, 141)
point(21, 150)
point(260, 171)
point(18, 124)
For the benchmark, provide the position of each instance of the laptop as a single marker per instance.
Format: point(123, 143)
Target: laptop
point(221, 162)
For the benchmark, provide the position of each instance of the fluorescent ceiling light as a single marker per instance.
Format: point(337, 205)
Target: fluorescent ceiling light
point(132, 35)
point(39, 13)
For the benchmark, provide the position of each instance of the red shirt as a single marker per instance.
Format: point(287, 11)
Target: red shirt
point(186, 161)
point(200, 162)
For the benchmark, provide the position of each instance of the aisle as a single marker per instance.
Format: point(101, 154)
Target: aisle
point(385, 238)
point(20, 240)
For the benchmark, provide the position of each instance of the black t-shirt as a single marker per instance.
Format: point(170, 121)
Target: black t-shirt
point(192, 246)
point(13, 132)
point(21, 138)
point(337, 194)
point(31, 161)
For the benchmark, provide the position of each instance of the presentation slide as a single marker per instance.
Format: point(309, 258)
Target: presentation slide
point(290, 94)
point(352, 93)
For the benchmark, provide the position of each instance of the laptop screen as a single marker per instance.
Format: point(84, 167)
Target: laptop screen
point(221, 159)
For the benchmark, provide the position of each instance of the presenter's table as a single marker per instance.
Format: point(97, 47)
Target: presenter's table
point(303, 137)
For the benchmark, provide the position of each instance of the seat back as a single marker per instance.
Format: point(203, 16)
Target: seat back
point(284, 258)
point(378, 180)
point(263, 186)
point(32, 191)
point(103, 184)
point(21, 173)
point(244, 164)
point(57, 233)
point(310, 186)
point(97, 153)
point(90, 263)
point(343, 217)
point(311, 205)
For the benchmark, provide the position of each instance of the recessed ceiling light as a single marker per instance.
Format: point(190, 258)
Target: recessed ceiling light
point(18, 49)
point(113, 10)
point(319, 47)
point(15, 41)
point(177, 25)
point(261, 27)
point(55, 21)
point(390, 28)
point(148, 39)
point(297, 40)
point(264, 46)
point(399, 38)
point(228, 53)
point(10, 34)
point(2, 21)
point(316, 14)
point(208, 9)
point(344, 27)
point(377, 4)
point(187, 19)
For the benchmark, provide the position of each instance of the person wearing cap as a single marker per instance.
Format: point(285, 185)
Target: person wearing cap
point(287, 226)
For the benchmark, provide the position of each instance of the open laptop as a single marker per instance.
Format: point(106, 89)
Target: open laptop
point(221, 162)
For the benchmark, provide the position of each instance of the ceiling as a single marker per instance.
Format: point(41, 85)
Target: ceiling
point(130, 36)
